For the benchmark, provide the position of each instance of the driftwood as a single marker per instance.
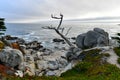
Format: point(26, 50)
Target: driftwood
point(58, 28)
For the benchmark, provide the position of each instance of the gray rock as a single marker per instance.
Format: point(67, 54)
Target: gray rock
point(68, 67)
point(22, 66)
point(80, 40)
point(30, 70)
point(29, 58)
point(52, 65)
point(101, 31)
point(50, 73)
point(62, 63)
point(19, 73)
point(73, 53)
point(28, 67)
point(11, 57)
point(20, 41)
point(42, 65)
point(58, 40)
point(97, 37)
point(37, 56)
point(35, 45)
point(41, 74)
point(103, 41)
point(91, 39)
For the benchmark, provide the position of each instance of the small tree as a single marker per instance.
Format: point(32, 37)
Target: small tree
point(2, 26)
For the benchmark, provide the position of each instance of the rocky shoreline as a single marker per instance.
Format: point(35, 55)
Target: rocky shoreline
point(33, 58)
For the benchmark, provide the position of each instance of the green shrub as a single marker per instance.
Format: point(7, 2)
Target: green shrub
point(118, 60)
point(106, 54)
point(117, 50)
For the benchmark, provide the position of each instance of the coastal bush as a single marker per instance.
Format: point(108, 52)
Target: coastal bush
point(118, 60)
point(117, 50)
point(106, 54)
point(94, 70)
point(91, 55)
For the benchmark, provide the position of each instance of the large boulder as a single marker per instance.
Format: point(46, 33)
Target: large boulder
point(80, 40)
point(90, 39)
point(97, 37)
point(11, 57)
point(101, 31)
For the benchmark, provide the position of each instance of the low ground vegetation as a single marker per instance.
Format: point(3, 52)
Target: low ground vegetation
point(91, 68)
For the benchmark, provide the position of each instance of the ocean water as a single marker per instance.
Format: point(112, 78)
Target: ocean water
point(34, 31)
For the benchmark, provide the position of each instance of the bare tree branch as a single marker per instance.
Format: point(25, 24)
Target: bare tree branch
point(58, 28)
point(69, 43)
point(55, 17)
point(61, 18)
point(68, 31)
point(60, 21)
point(48, 27)
point(62, 30)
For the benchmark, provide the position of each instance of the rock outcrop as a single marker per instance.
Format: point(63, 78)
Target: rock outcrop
point(11, 57)
point(97, 37)
point(33, 58)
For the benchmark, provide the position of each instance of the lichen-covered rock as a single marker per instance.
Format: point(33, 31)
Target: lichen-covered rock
point(11, 57)
point(97, 37)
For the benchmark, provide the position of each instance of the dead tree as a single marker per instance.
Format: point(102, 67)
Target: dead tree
point(58, 28)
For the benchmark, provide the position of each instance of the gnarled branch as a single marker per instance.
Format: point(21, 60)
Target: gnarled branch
point(58, 28)
point(61, 19)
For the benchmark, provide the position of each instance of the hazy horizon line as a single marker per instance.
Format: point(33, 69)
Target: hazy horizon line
point(83, 20)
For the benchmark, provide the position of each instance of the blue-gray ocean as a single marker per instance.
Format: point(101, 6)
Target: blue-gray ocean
point(34, 31)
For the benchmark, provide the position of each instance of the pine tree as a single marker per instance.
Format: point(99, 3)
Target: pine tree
point(2, 26)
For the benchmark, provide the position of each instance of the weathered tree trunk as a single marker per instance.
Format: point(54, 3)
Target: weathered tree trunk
point(67, 41)
point(58, 28)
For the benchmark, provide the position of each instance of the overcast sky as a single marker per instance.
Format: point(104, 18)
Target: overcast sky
point(37, 10)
